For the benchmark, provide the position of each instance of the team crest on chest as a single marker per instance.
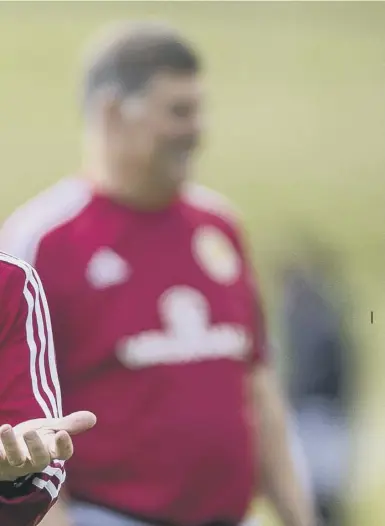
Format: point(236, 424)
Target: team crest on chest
point(106, 269)
point(216, 255)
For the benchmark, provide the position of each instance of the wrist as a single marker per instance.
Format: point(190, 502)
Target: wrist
point(15, 488)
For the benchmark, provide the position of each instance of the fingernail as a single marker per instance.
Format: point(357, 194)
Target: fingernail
point(30, 435)
point(5, 428)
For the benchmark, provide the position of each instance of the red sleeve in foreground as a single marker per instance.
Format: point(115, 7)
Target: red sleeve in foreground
point(29, 386)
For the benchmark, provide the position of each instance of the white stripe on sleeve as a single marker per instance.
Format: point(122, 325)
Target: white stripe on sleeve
point(51, 347)
point(49, 485)
point(37, 341)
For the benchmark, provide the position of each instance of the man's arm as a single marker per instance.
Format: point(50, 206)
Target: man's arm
point(33, 433)
point(279, 477)
point(58, 515)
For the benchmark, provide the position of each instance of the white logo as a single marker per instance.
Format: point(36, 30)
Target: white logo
point(106, 268)
point(216, 255)
point(188, 334)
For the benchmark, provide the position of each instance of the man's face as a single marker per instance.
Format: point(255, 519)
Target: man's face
point(165, 126)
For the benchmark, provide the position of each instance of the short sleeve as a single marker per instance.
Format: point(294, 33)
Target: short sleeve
point(260, 344)
point(260, 353)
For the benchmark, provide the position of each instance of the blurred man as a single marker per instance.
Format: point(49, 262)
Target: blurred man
point(156, 316)
point(32, 449)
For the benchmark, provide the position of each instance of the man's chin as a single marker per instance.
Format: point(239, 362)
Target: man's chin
point(180, 176)
point(180, 169)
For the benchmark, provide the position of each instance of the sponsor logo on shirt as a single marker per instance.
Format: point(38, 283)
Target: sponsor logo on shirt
point(188, 335)
point(216, 255)
point(106, 268)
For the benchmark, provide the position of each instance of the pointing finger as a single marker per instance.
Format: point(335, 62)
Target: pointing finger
point(74, 423)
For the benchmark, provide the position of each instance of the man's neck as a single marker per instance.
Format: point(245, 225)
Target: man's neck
point(131, 189)
point(137, 197)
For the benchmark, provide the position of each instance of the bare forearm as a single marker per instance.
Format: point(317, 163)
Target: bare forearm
point(280, 479)
point(57, 516)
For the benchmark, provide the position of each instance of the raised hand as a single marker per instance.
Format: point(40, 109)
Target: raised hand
point(31, 446)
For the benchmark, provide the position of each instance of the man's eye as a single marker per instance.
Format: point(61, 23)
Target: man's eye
point(182, 110)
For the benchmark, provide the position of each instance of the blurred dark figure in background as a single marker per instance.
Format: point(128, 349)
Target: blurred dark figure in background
point(317, 373)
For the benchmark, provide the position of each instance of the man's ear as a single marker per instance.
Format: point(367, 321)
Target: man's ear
point(110, 110)
point(104, 109)
point(133, 109)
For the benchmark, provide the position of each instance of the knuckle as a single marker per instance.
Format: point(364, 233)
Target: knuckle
point(41, 465)
point(41, 460)
point(30, 436)
point(16, 462)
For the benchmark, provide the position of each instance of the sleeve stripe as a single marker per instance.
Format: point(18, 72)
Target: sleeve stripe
point(54, 471)
point(51, 347)
point(38, 349)
point(53, 484)
point(49, 486)
point(42, 325)
point(33, 349)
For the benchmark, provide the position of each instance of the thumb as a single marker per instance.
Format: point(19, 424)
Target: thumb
point(73, 423)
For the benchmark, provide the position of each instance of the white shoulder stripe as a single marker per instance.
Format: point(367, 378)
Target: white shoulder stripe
point(209, 200)
point(38, 315)
point(23, 231)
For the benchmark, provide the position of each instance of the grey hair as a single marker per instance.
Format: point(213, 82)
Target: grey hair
point(128, 56)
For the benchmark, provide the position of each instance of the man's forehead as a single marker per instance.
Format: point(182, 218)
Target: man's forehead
point(169, 85)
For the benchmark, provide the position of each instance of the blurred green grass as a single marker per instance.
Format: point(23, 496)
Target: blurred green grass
point(297, 107)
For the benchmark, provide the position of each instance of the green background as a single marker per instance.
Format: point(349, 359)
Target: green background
point(296, 102)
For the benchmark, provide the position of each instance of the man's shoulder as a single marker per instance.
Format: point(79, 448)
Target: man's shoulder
point(23, 232)
point(14, 273)
point(210, 203)
point(214, 210)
